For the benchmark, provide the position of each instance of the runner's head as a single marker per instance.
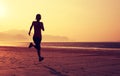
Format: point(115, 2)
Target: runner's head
point(38, 17)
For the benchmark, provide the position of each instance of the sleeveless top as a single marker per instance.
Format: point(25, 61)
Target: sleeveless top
point(37, 28)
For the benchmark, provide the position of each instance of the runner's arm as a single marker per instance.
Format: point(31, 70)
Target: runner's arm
point(30, 29)
point(43, 27)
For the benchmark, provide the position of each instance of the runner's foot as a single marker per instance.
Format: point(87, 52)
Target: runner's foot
point(30, 45)
point(41, 58)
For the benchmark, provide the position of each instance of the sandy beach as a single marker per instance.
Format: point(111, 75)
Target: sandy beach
point(22, 61)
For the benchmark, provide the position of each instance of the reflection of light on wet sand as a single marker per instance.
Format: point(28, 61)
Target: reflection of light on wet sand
point(88, 48)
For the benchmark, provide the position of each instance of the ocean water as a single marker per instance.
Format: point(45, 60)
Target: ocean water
point(72, 45)
point(83, 45)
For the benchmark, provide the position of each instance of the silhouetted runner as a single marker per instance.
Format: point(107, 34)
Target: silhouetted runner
point(37, 37)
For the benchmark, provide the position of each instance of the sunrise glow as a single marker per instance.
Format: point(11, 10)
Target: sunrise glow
point(75, 20)
point(2, 10)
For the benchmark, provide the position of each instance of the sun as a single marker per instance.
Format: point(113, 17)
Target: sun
point(2, 10)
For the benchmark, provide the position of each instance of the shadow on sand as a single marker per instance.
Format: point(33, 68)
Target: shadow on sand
point(54, 71)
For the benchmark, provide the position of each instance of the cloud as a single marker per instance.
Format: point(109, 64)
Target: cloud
point(54, 38)
point(22, 35)
point(12, 36)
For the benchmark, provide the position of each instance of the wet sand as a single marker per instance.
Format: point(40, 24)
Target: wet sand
point(21, 61)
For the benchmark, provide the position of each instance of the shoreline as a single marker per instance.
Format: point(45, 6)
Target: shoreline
point(67, 47)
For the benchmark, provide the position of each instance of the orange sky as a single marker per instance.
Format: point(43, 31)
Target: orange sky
point(78, 20)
